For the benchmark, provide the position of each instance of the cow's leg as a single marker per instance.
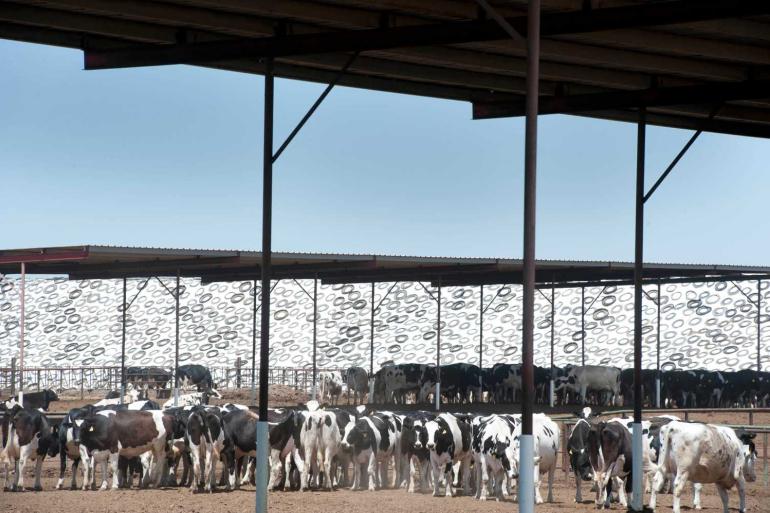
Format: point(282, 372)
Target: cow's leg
point(287, 471)
point(741, 495)
point(578, 491)
point(210, 474)
point(356, 474)
point(112, 459)
point(196, 467)
point(328, 462)
point(536, 480)
point(551, 472)
point(74, 483)
point(63, 467)
point(696, 489)
point(679, 483)
point(85, 461)
point(436, 476)
point(38, 468)
point(148, 469)
point(448, 480)
point(412, 474)
point(465, 468)
point(482, 478)
point(725, 498)
point(621, 491)
point(24, 455)
point(372, 471)
point(384, 480)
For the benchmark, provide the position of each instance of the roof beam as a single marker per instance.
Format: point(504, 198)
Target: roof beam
point(574, 22)
point(659, 96)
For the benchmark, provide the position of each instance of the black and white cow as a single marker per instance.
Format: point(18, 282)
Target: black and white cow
point(194, 375)
point(679, 388)
point(67, 446)
point(357, 381)
point(705, 453)
point(330, 386)
point(449, 442)
point(320, 441)
point(546, 440)
point(505, 382)
point(493, 452)
point(34, 400)
point(414, 453)
point(648, 386)
point(577, 447)
point(400, 380)
point(609, 445)
point(372, 441)
point(206, 439)
point(144, 405)
point(193, 399)
point(460, 382)
point(107, 435)
point(30, 437)
point(152, 377)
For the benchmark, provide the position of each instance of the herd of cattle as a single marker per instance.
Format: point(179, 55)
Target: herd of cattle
point(314, 446)
point(589, 384)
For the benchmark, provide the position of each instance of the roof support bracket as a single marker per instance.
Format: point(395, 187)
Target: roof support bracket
point(678, 157)
point(315, 106)
point(500, 20)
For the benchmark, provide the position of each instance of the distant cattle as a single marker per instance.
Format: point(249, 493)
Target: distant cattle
point(194, 375)
point(34, 400)
point(152, 377)
point(193, 399)
point(602, 381)
point(357, 381)
point(330, 386)
point(460, 382)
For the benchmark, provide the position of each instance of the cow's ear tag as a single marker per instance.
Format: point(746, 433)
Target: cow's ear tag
point(91, 428)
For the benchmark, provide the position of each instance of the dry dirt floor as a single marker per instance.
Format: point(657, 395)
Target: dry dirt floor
point(181, 500)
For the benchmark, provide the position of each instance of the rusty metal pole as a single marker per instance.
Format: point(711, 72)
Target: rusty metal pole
point(526, 476)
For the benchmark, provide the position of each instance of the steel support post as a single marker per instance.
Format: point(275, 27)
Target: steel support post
point(657, 354)
point(438, 349)
point(526, 476)
point(22, 298)
point(123, 344)
point(552, 384)
point(759, 325)
point(315, 338)
point(176, 341)
point(254, 347)
point(636, 503)
point(582, 326)
point(264, 344)
point(481, 342)
point(370, 398)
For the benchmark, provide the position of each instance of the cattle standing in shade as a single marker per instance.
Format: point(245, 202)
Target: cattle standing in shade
point(547, 438)
point(152, 377)
point(107, 435)
point(206, 437)
point(577, 447)
point(492, 452)
point(460, 382)
point(29, 438)
point(331, 386)
point(357, 381)
point(193, 399)
point(400, 380)
point(705, 453)
point(594, 378)
point(372, 441)
point(194, 375)
point(414, 454)
point(449, 442)
point(34, 400)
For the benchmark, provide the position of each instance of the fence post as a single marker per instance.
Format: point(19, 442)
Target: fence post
point(61, 379)
point(38, 380)
point(13, 376)
point(82, 380)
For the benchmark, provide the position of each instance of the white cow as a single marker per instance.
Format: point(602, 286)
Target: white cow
point(705, 453)
point(331, 386)
point(546, 443)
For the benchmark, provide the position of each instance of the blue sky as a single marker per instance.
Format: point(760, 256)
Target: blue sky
point(171, 157)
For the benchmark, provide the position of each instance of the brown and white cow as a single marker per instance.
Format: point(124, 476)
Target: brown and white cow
point(107, 435)
point(705, 453)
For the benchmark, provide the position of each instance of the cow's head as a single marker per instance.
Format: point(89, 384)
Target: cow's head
point(749, 454)
point(51, 442)
point(357, 436)
point(438, 436)
point(50, 396)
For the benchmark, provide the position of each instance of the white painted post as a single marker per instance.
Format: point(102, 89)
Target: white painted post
point(527, 475)
point(21, 333)
point(263, 444)
point(636, 456)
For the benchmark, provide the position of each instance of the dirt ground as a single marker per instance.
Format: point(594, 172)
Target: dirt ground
point(179, 500)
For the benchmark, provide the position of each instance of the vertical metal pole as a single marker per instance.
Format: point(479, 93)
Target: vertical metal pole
point(526, 477)
point(176, 341)
point(438, 350)
point(22, 298)
point(264, 347)
point(583, 326)
point(551, 397)
point(254, 347)
point(481, 343)
point(315, 332)
point(123, 345)
point(759, 325)
point(370, 399)
point(657, 354)
point(636, 503)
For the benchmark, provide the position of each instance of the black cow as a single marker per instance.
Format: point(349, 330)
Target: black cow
point(648, 386)
point(193, 374)
point(35, 400)
point(460, 382)
point(153, 377)
point(542, 384)
point(679, 387)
